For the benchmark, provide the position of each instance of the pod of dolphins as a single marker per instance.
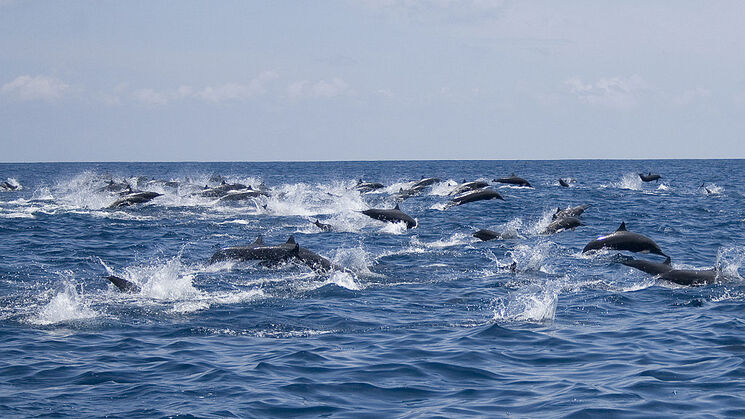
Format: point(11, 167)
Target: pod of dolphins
point(467, 192)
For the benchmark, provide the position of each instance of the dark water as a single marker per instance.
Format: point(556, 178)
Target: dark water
point(427, 322)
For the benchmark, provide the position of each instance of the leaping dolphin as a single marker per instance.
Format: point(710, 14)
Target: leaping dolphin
point(394, 215)
point(469, 186)
point(563, 183)
point(652, 268)
point(649, 177)
point(514, 180)
point(258, 250)
point(480, 195)
point(134, 198)
point(570, 211)
point(561, 224)
point(622, 239)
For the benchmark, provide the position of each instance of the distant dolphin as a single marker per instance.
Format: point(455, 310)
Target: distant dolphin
point(425, 182)
point(404, 194)
point(112, 186)
point(480, 195)
point(368, 186)
point(322, 226)
point(8, 187)
point(394, 215)
point(469, 186)
point(134, 198)
point(708, 191)
point(649, 177)
point(514, 180)
point(570, 211)
point(123, 284)
point(652, 268)
point(622, 239)
point(563, 183)
point(239, 195)
point(561, 224)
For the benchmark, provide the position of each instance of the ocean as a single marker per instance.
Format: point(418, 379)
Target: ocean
point(427, 321)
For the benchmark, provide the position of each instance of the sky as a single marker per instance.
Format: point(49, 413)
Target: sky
point(370, 80)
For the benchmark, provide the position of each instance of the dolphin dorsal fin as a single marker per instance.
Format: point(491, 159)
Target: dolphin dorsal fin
point(259, 241)
point(291, 240)
point(295, 250)
point(400, 190)
point(667, 261)
point(622, 227)
point(397, 208)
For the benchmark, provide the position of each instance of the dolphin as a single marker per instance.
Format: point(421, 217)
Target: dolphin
point(622, 239)
point(242, 195)
point(258, 250)
point(570, 211)
point(486, 235)
point(8, 187)
point(404, 194)
point(649, 177)
point(425, 182)
point(480, 195)
point(691, 277)
point(469, 186)
point(394, 215)
point(563, 183)
point(134, 198)
point(123, 284)
point(514, 180)
point(561, 224)
point(322, 226)
point(368, 186)
point(703, 185)
point(112, 186)
point(652, 268)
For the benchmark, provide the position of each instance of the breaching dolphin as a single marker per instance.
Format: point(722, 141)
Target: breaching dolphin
point(652, 268)
point(134, 198)
point(322, 226)
point(394, 215)
point(514, 180)
point(649, 177)
point(622, 239)
point(561, 224)
point(469, 186)
point(480, 195)
point(570, 211)
point(258, 250)
point(123, 284)
point(563, 183)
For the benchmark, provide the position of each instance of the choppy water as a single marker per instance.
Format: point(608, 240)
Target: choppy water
point(426, 322)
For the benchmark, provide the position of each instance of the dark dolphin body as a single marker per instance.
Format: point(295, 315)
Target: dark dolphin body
point(486, 235)
point(242, 195)
point(514, 180)
point(368, 186)
point(563, 183)
point(8, 187)
point(394, 215)
point(469, 186)
point(570, 212)
point(322, 226)
point(652, 268)
point(480, 195)
point(649, 177)
point(691, 277)
point(123, 284)
point(258, 250)
point(112, 186)
point(622, 239)
point(561, 224)
point(404, 194)
point(425, 182)
point(134, 198)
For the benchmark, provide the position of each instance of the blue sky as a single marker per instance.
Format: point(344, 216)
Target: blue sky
point(370, 80)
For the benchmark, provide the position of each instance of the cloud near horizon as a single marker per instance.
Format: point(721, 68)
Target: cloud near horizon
point(31, 88)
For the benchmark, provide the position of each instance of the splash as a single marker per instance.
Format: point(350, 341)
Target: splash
point(630, 181)
point(532, 258)
point(454, 240)
point(394, 228)
point(537, 304)
point(729, 260)
point(66, 306)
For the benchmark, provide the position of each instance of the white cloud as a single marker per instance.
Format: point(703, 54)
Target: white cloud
point(150, 97)
point(615, 92)
point(691, 96)
point(214, 94)
point(321, 88)
point(29, 88)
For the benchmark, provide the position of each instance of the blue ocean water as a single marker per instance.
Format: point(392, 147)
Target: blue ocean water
point(423, 322)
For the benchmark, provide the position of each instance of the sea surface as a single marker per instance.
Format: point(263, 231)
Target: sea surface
point(426, 322)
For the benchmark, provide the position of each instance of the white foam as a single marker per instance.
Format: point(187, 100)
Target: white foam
point(66, 306)
point(537, 304)
point(394, 228)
